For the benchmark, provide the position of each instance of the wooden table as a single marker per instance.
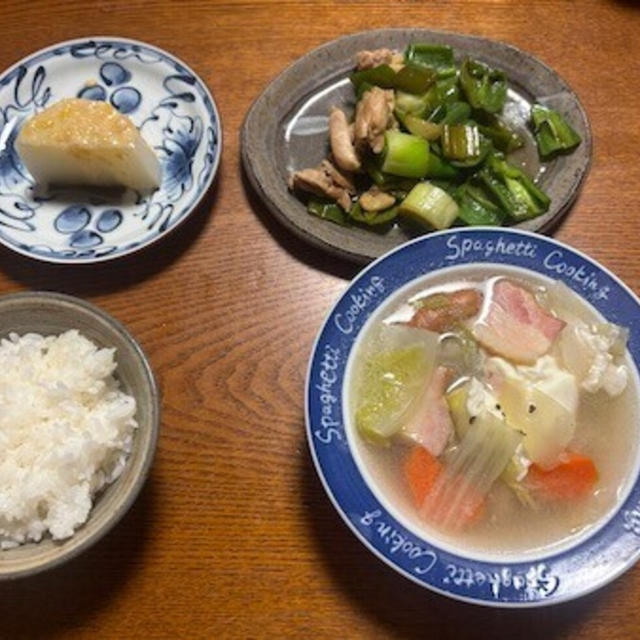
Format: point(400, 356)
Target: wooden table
point(233, 535)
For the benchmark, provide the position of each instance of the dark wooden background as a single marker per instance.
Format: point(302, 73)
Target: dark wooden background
point(233, 536)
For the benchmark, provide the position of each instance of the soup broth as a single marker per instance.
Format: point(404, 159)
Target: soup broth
point(541, 507)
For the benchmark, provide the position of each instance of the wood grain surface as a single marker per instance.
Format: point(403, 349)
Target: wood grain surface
point(233, 536)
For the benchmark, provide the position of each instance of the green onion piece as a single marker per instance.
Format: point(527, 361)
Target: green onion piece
point(553, 134)
point(422, 128)
point(456, 113)
point(460, 142)
point(435, 56)
point(373, 218)
point(328, 211)
point(385, 181)
point(476, 208)
point(501, 135)
point(409, 103)
point(414, 79)
point(405, 155)
point(380, 76)
point(484, 87)
point(429, 206)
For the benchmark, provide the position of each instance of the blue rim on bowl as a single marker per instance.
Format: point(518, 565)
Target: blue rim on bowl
point(547, 577)
point(165, 99)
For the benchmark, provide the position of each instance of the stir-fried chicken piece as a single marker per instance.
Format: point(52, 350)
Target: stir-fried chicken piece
point(340, 137)
point(376, 200)
point(374, 115)
point(370, 59)
point(325, 181)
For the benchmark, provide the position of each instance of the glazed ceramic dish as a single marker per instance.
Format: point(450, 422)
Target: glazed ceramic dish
point(164, 98)
point(287, 130)
point(52, 314)
point(561, 571)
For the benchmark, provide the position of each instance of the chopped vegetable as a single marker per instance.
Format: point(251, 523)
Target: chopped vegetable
point(433, 56)
point(421, 470)
point(373, 218)
point(429, 206)
point(405, 155)
point(460, 142)
point(380, 76)
point(470, 471)
point(455, 113)
point(328, 211)
point(407, 103)
point(503, 138)
point(393, 381)
point(553, 134)
point(574, 477)
point(457, 401)
point(422, 128)
point(422, 117)
point(484, 87)
point(476, 208)
point(414, 79)
point(515, 191)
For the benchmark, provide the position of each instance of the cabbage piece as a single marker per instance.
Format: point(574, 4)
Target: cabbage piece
point(391, 381)
point(470, 470)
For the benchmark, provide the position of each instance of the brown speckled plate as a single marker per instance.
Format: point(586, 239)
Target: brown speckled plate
point(286, 129)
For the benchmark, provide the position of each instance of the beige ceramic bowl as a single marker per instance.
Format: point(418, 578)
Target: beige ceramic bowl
point(51, 313)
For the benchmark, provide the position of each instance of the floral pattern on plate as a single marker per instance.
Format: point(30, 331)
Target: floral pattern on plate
point(174, 112)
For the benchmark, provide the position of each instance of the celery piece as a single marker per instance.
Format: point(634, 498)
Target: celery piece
point(422, 128)
point(405, 155)
point(434, 56)
point(328, 211)
point(373, 218)
point(380, 76)
point(485, 88)
point(476, 208)
point(460, 142)
point(429, 206)
point(414, 79)
point(553, 134)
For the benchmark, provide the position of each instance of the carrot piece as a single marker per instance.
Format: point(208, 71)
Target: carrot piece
point(421, 470)
point(573, 477)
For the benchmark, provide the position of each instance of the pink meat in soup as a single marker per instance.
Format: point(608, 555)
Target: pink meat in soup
point(515, 326)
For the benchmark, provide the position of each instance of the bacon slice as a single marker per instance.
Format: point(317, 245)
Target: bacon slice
point(443, 310)
point(515, 326)
point(430, 424)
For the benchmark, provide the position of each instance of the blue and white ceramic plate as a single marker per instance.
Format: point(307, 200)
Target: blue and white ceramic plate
point(164, 98)
point(549, 575)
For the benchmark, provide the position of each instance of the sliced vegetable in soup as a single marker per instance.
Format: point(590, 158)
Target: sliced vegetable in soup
point(482, 406)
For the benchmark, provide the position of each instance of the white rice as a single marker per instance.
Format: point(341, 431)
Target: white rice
point(65, 432)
